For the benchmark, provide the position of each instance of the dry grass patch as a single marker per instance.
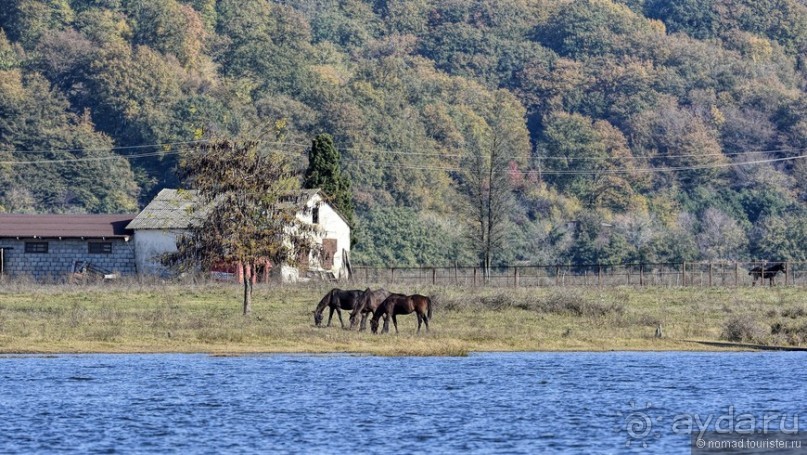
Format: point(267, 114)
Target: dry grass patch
point(206, 318)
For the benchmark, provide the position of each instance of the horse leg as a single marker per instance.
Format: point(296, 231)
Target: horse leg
point(386, 323)
point(339, 313)
point(426, 321)
point(395, 322)
point(363, 325)
point(330, 316)
point(420, 321)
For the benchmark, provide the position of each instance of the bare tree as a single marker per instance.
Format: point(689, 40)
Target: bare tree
point(246, 212)
point(492, 144)
point(720, 236)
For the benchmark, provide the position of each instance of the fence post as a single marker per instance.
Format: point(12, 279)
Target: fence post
point(392, 275)
point(736, 274)
point(641, 275)
point(684, 274)
point(599, 275)
point(710, 274)
point(793, 275)
point(474, 276)
point(515, 276)
point(787, 267)
point(557, 275)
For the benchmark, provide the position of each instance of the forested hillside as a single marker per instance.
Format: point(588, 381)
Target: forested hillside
point(593, 130)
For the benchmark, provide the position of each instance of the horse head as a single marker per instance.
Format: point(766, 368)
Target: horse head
point(318, 318)
point(374, 324)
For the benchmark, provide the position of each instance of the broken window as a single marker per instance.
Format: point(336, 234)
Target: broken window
point(328, 252)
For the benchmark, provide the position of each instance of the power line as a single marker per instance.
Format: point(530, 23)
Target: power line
point(393, 164)
point(91, 158)
point(127, 147)
point(656, 157)
point(594, 171)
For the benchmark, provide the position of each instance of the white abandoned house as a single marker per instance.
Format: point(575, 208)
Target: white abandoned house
point(168, 216)
point(53, 247)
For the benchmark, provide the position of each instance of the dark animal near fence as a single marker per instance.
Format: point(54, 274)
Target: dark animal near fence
point(337, 300)
point(767, 272)
point(397, 304)
point(367, 305)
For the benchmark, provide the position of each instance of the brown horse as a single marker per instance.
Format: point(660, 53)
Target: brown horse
point(337, 300)
point(767, 272)
point(368, 303)
point(397, 304)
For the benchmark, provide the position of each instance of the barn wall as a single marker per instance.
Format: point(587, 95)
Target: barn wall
point(58, 262)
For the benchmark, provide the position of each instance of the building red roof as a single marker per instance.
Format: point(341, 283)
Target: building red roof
point(66, 226)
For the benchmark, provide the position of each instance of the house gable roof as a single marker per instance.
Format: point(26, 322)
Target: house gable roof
point(65, 226)
point(172, 209)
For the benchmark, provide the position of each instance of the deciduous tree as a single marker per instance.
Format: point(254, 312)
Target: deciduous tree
point(246, 211)
point(492, 144)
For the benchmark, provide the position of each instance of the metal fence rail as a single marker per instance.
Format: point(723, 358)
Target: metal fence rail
point(697, 274)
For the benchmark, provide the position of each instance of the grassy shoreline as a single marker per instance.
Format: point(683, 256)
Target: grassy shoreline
point(206, 319)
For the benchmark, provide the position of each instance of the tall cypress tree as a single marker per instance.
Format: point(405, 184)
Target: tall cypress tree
point(324, 172)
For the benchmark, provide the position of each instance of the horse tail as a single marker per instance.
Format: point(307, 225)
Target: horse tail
point(429, 305)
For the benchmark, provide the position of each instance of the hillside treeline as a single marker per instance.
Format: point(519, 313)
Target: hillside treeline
point(624, 131)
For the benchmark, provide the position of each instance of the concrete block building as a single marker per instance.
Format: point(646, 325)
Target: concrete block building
point(56, 246)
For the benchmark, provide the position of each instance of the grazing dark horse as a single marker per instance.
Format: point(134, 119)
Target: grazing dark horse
point(767, 272)
point(368, 303)
point(337, 300)
point(397, 304)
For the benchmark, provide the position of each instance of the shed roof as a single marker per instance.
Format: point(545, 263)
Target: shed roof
point(65, 226)
point(170, 209)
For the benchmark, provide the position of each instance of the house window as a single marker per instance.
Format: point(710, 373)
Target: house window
point(99, 248)
point(36, 247)
point(315, 215)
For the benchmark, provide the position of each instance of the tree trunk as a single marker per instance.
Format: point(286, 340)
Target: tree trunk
point(247, 289)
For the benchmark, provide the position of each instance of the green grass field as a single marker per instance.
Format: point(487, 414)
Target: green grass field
point(206, 318)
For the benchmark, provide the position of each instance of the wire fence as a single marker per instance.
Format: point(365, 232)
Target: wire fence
point(694, 274)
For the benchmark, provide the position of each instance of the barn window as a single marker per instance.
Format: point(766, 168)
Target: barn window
point(36, 247)
point(315, 215)
point(99, 248)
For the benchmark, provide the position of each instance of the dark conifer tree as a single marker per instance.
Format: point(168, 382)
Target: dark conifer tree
point(324, 172)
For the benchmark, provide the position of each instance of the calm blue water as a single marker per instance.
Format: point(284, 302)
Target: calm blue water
point(485, 403)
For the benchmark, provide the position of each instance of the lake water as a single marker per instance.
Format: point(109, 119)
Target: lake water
point(619, 402)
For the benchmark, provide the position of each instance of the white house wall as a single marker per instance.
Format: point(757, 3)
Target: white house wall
point(150, 246)
point(332, 226)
